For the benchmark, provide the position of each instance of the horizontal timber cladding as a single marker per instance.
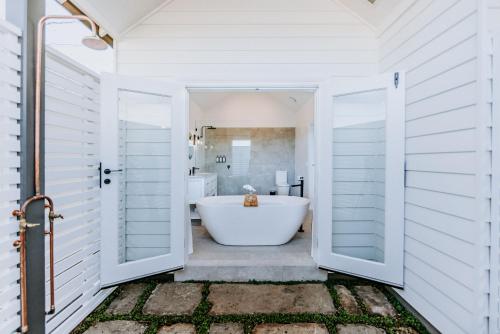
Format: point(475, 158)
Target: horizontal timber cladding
point(493, 14)
point(230, 40)
point(10, 113)
point(72, 180)
point(436, 42)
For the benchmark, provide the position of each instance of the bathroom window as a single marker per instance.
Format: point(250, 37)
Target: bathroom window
point(241, 150)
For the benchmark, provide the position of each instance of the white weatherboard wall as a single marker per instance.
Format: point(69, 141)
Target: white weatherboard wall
point(249, 40)
point(445, 270)
point(493, 82)
point(493, 15)
point(2, 9)
point(10, 83)
point(72, 180)
point(436, 42)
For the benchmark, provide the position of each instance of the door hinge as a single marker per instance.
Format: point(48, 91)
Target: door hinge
point(396, 79)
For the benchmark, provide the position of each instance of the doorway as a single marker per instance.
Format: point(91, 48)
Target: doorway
point(247, 136)
point(358, 193)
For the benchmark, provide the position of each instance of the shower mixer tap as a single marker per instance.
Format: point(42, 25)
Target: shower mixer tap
point(20, 244)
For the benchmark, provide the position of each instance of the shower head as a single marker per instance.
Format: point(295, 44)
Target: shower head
point(206, 127)
point(94, 42)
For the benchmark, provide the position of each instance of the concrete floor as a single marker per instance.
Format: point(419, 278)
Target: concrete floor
point(214, 262)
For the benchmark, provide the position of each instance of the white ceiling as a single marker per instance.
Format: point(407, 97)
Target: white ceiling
point(377, 12)
point(293, 100)
point(116, 16)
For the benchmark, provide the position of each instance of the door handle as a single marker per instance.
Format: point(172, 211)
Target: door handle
point(109, 171)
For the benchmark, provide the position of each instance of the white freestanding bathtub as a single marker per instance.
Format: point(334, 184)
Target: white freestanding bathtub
point(274, 222)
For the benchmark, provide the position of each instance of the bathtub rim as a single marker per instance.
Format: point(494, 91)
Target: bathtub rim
point(221, 201)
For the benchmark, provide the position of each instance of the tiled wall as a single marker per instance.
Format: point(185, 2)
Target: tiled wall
point(253, 156)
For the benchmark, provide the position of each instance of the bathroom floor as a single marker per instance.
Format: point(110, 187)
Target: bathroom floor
point(214, 262)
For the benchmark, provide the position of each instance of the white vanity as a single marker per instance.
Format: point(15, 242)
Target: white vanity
point(199, 186)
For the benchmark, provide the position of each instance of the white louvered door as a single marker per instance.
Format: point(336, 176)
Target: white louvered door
point(144, 152)
point(361, 172)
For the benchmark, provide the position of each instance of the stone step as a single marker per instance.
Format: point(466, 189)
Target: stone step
point(231, 273)
point(238, 298)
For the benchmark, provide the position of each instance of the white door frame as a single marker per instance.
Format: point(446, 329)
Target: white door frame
point(320, 89)
point(112, 271)
point(495, 181)
point(315, 88)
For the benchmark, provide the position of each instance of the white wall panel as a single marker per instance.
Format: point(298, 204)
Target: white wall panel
point(436, 42)
point(493, 83)
point(10, 83)
point(235, 40)
point(72, 180)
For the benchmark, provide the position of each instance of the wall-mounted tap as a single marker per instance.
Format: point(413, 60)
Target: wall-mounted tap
point(192, 171)
point(301, 185)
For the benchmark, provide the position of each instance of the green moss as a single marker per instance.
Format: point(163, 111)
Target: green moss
point(202, 320)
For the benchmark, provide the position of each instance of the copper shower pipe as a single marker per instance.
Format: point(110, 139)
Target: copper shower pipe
point(21, 244)
point(38, 81)
point(21, 213)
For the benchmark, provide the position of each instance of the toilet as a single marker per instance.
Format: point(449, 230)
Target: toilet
point(282, 183)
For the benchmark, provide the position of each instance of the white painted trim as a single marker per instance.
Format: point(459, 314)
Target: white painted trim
point(394, 16)
point(143, 19)
point(482, 215)
point(495, 187)
point(272, 85)
point(356, 15)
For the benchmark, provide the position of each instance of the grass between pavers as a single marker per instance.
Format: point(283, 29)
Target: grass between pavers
point(202, 319)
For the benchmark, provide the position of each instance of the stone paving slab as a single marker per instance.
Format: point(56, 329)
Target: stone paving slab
point(375, 301)
point(226, 328)
point(178, 329)
point(174, 299)
point(359, 329)
point(347, 300)
point(405, 330)
point(270, 298)
point(124, 303)
point(117, 327)
point(290, 329)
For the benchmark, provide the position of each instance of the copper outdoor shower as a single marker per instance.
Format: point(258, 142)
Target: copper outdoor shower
point(21, 244)
point(93, 42)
